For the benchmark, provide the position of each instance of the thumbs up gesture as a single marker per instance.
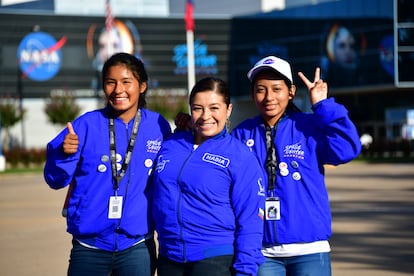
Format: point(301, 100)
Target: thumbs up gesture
point(71, 141)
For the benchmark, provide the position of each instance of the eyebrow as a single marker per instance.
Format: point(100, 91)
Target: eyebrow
point(211, 104)
point(126, 78)
point(273, 84)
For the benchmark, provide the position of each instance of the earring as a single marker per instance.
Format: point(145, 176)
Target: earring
point(228, 123)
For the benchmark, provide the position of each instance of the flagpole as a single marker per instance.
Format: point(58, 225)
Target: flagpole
point(189, 27)
point(109, 22)
point(190, 60)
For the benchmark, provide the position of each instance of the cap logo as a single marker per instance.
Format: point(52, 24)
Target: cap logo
point(268, 61)
point(279, 65)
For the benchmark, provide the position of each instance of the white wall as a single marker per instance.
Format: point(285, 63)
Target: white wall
point(269, 5)
point(36, 127)
point(38, 131)
point(119, 7)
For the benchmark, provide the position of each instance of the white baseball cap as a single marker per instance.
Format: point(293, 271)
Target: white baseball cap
point(271, 62)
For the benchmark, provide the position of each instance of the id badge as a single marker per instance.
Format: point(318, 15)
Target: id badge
point(272, 206)
point(115, 207)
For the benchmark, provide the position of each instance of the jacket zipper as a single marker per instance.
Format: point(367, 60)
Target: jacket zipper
point(179, 207)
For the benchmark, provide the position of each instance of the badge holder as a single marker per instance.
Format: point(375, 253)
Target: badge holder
point(115, 207)
point(272, 206)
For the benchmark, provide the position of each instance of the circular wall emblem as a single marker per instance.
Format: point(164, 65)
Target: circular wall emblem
point(40, 56)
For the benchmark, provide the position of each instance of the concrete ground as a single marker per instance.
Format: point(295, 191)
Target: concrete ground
point(372, 207)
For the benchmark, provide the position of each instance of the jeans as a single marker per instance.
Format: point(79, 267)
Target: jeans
point(318, 264)
point(139, 260)
point(215, 266)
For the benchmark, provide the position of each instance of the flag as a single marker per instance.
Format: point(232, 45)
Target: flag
point(109, 20)
point(189, 20)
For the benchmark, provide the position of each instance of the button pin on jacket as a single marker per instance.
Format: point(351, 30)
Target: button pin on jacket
point(250, 143)
point(148, 163)
point(283, 165)
point(284, 172)
point(118, 157)
point(104, 158)
point(296, 176)
point(102, 168)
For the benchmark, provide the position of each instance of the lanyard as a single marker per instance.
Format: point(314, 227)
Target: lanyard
point(271, 157)
point(128, 154)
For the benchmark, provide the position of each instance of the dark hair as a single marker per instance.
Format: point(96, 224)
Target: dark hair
point(275, 74)
point(135, 65)
point(211, 84)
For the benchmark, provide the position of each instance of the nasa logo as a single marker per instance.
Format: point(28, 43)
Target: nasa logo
point(40, 56)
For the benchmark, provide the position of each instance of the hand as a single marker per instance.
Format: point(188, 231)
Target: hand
point(183, 121)
point(71, 141)
point(318, 89)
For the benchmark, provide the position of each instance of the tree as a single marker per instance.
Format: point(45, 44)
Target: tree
point(61, 109)
point(10, 114)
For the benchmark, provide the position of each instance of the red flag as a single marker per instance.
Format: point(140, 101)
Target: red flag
point(189, 20)
point(109, 20)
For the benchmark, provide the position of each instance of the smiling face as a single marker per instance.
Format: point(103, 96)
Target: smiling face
point(271, 95)
point(209, 113)
point(122, 90)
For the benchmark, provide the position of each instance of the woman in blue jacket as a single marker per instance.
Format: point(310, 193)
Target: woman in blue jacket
point(208, 194)
point(293, 148)
point(107, 156)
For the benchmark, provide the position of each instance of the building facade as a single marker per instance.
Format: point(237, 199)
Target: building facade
point(364, 48)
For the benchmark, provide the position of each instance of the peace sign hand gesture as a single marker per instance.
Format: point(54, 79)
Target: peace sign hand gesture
point(318, 89)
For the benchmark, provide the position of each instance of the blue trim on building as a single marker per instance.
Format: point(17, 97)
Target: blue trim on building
point(340, 9)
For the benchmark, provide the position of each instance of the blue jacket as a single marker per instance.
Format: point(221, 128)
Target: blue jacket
point(304, 142)
point(209, 201)
point(90, 169)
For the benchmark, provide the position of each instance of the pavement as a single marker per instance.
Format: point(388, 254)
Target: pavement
point(372, 209)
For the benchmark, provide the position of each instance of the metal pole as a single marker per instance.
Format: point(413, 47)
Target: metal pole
point(190, 60)
point(20, 94)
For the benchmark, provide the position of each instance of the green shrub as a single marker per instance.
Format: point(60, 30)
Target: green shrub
point(167, 105)
point(25, 157)
point(61, 109)
point(10, 114)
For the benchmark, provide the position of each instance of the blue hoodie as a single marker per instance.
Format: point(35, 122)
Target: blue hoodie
point(90, 170)
point(304, 142)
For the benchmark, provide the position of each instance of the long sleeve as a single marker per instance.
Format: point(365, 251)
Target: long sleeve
point(337, 137)
point(248, 204)
point(59, 167)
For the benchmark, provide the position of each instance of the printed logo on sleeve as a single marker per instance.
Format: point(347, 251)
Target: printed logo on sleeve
point(261, 191)
point(161, 164)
